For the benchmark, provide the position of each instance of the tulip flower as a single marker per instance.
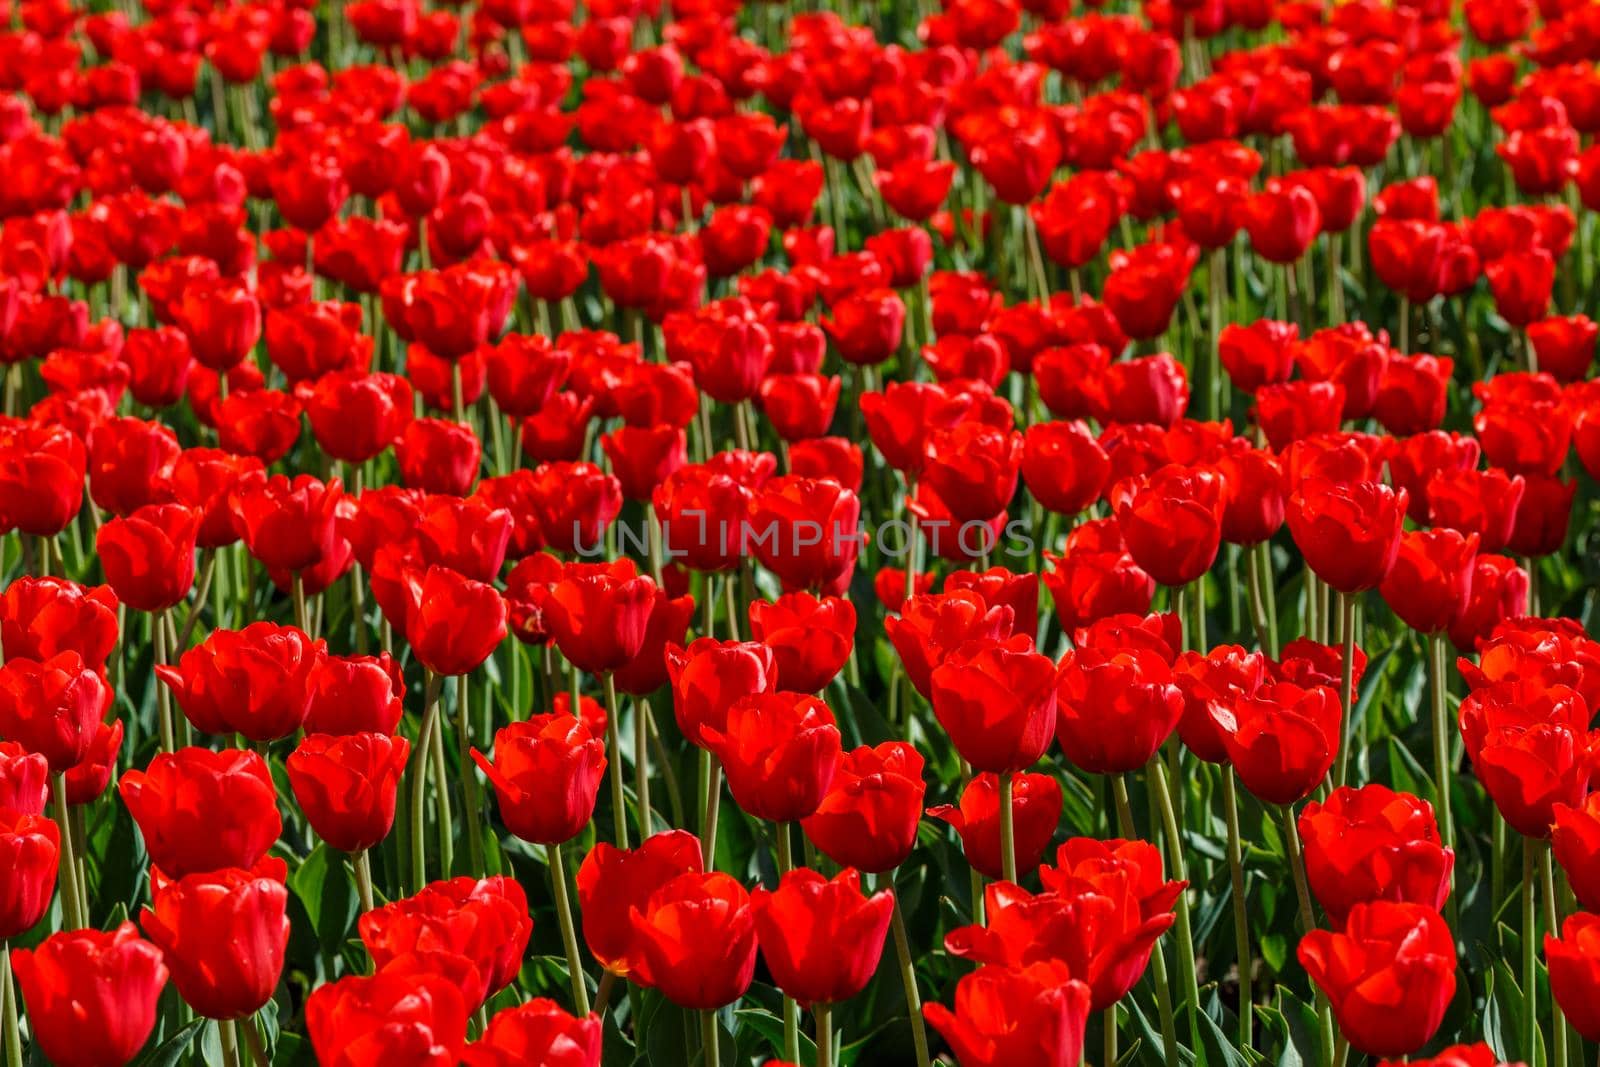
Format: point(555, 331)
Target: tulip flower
point(1115, 709)
point(1372, 843)
point(223, 933)
point(1389, 975)
point(537, 1032)
point(546, 774)
point(114, 969)
point(780, 752)
point(1032, 1015)
point(255, 681)
point(484, 923)
point(149, 555)
point(53, 708)
point(202, 811)
point(367, 1021)
point(1574, 962)
point(821, 938)
point(40, 617)
point(868, 817)
point(1036, 803)
point(695, 941)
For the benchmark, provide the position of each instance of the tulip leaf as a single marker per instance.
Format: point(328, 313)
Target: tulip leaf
point(325, 888)
point(1218, 1048)
point(770, 1027)
point(173, 1049)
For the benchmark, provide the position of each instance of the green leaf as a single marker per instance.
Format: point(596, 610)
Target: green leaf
point(770, 1027)
point(170, 1051)
point(327, 891)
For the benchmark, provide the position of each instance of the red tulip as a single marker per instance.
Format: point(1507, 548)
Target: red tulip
point(1115, 707)
point(355, 694)
point(1389, 975)
point(53, 708)
point(40, 617)
point(1574, 962)
point(810, 637)
point(695, 941)
point(347, 786)
point(1015, 1017)
point(599, 621)
point(612, 882)
point(201, 811)
point(997, 701)
point(709, 676)
point(546, 773)
point(387, 1018)
point(255, 681)
point(483, 924)
point(453, 623)
point(115, 970)
point(30, 846)
point(821, 937)
point(1431, 581)
point(537, 1032)
point(1282, 739)
point(780, 752)
point(1172, 522)
point(1349, 534)
point(1036, 809)
point(1372, 844)
point(148, 556)
point(223, 934)
point(1575, 841)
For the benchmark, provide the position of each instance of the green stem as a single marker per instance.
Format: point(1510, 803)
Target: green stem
point(1308, 919)
point(1178, 871)
point(824, 1017)
point(1241, 907)
point(713, 799)
point(1008, 846)
point(419, 783)
point(641, 766)
point(1158, 959)
point(908, 978)
point(619, 800)
point(363, 868)
point(302, 618)
point(1442, 775)
point(72, 903)
point(469, 780)
point(8, 992)
point(230, 1042)
point(1552, 922)
point(791, 1010)
point(569, 936)
point(1214, 356)
point(1347, 626)
point(1530, 954)
point(708, 1037)
point(1109, 1036)
point(163, 694)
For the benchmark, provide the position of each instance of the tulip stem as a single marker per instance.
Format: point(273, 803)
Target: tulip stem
point(784, 849)
point(1108, 1040)
point(641, 766)
point(1552, 922)
point(252, 1041)
point(824, 1016)
point(72, 903)
point(208, 570)
point(1308, 919)
point(1158, 959)
point(302, 618)
point(1241, 907)
point(1189, 976)
point(1530, 955)
point(363, 868)
point(619, 799)
point(908, 978)
point(419, 785)
point(230, 1042)
point(469, 781)
point(1008, 844)
point(1441, 738)
point(713, 798)
point(158, 631)
point(1347, 628)
point(13, 1029)
point(569, 937)
point(708, 1038)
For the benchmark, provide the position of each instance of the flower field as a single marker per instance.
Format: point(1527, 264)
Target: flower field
point(689, 533)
